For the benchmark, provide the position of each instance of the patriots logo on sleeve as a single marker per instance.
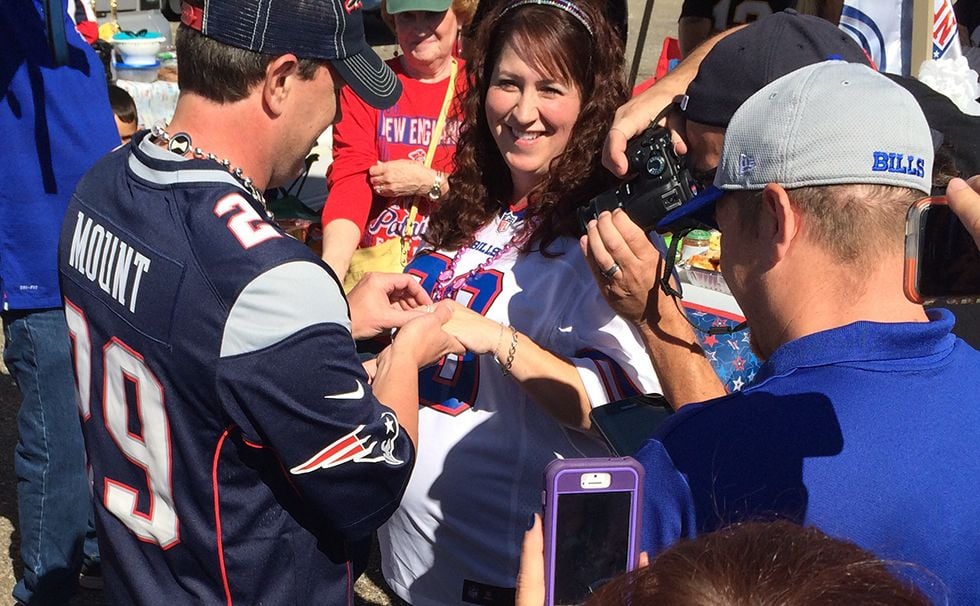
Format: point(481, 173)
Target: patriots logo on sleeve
point(356, 448)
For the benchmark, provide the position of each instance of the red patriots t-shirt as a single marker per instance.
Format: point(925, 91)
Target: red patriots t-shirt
point(365, 135)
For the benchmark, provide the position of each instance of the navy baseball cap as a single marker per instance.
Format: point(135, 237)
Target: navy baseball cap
point(309, 29)
point(792, 132)
point(746, 60)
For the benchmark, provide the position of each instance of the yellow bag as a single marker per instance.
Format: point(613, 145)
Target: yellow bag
point(392, 254)
point(386, 256)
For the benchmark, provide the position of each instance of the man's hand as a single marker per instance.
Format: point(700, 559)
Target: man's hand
point(420, 341)
point(383, 301)
point(964, 200)
point(637, 113)
point(632, 119)
point(424, 337)
point(401, 178)
point(633, 292)
point(614, 238)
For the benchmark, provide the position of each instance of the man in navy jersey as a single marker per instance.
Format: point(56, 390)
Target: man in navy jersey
point(240, 453)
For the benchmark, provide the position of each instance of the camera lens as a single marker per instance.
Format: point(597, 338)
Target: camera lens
point(655, 165)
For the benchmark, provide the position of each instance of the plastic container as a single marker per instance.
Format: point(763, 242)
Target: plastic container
point(705, 278)
point(136, 73)
point(129, 20)
point(695, 243)
point(138, 51)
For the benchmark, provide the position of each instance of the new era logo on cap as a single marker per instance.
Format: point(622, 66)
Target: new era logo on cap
point(745, 164)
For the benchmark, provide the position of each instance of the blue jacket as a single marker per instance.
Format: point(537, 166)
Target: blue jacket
point(869, 432)
point(56, 122)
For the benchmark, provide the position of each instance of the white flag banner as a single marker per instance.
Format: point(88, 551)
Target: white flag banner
point(884, 29)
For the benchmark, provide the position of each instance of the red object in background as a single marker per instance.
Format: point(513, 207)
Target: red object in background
point(89, 30)
point(670, 51)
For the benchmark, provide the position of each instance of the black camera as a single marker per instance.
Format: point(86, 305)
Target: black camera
point(658, 182)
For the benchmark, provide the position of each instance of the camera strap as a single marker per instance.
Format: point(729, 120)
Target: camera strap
point(670, 291)
point(669, 261)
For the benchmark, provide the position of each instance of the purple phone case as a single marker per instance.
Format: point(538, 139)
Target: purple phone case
point(562, 476)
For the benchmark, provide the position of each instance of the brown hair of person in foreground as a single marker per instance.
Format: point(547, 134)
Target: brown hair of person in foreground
point(763, 564)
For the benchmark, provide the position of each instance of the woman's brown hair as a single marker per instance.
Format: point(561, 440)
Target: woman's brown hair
point(554, 42)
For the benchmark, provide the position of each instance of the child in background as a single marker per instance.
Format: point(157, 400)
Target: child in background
point(124, 110)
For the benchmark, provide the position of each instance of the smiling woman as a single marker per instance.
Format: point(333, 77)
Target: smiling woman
point(531, 116)
point(543, 347)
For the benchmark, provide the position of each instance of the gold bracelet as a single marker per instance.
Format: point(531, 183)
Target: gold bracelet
point(506, 366)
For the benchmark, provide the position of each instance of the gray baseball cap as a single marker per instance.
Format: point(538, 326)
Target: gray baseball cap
point(829, 123)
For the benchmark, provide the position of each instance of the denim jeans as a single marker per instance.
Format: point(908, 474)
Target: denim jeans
point(53, 496)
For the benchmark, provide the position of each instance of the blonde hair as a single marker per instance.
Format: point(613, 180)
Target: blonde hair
point(853, 222)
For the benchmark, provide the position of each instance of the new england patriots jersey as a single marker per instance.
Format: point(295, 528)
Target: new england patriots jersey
point(237, 452)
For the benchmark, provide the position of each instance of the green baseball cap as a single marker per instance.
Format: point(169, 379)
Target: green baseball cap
point(403, 6)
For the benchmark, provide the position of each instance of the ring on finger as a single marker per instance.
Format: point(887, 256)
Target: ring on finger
point(610, 272)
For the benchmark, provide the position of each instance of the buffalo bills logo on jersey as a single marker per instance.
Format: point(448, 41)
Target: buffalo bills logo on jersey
point(352, 5)
point(356, 448)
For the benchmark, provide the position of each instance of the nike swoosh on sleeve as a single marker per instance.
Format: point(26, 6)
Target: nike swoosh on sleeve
point(357, 394)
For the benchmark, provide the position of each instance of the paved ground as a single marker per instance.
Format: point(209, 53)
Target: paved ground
point(369, 587)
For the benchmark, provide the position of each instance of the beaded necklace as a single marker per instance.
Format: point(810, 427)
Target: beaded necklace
point(448, 283)
point(180, 144)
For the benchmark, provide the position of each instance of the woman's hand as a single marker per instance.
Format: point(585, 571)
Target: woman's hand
point(425, 337)
point(614, 240)
point(531, 574)
point(478, 334)
point(401, 178)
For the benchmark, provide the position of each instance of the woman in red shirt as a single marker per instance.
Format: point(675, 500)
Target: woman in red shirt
point(379, 167)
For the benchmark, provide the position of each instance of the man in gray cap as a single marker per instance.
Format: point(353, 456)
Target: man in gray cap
point(865, 418)
point(239, 451)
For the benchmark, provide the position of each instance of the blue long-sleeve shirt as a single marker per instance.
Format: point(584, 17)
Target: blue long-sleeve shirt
point(55, 123)
point(869, 432)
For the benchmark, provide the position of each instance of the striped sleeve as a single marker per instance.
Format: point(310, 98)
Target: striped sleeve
point(290, 379)
point(608, 353)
